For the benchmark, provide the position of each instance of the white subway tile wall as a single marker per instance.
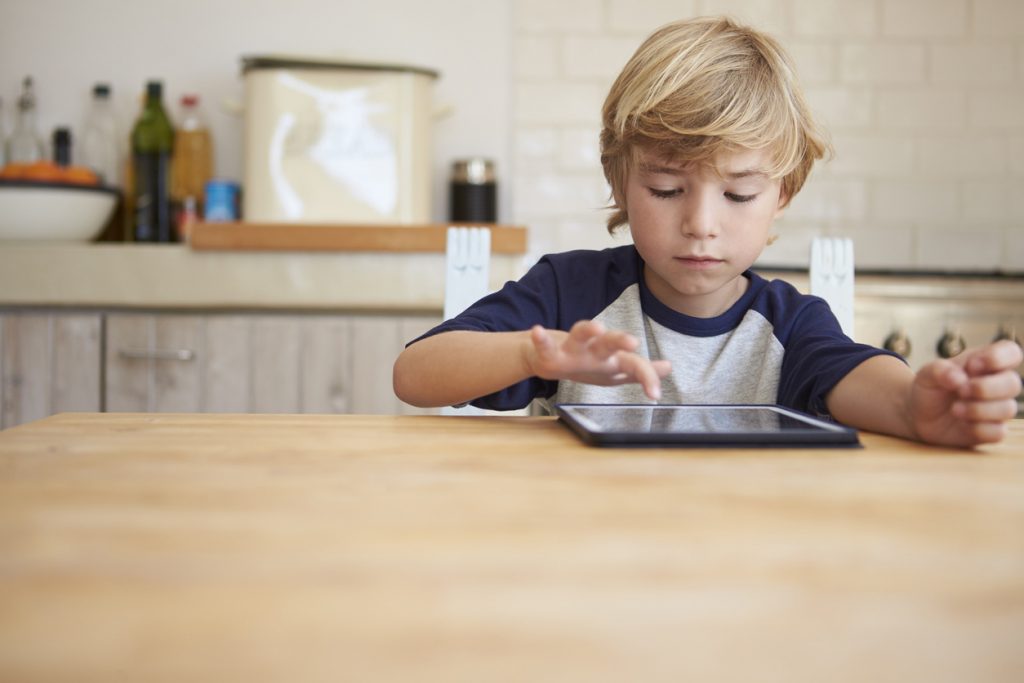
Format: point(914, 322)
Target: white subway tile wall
point(924, 18)
point(1016, 154)
point(924, 100)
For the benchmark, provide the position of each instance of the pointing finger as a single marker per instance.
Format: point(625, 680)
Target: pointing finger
point(643, 372)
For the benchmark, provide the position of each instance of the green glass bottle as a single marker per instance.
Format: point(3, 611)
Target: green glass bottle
point(152, 141)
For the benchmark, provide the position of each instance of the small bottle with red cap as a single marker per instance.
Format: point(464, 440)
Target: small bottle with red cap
point(192, 165)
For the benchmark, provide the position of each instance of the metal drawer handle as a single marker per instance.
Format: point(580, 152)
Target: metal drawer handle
point(157, 354)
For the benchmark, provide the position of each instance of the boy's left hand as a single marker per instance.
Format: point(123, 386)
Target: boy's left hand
point(967, 399)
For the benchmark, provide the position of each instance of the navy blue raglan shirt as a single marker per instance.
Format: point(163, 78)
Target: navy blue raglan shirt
point(774, 345)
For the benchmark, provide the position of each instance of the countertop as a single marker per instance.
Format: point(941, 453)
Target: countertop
point(155, 547)
point(116, 275)
point(119, 275)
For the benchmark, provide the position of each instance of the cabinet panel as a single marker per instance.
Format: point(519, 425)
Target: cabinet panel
point(376, 342)
point(177, 358)
point(227, 374)
point(49, 363)
point(129, 370)
point(275, 365)
point(326, 365)
point(77, 366)
point(256, 363)
point(27, 368)
point(153, 363)
point(160, 362)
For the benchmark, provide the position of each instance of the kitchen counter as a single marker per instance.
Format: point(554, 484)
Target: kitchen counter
point(120, 275)
point(176, 277)
point(155, 547)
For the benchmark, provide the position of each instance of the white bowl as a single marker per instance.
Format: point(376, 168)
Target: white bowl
point(42, 211)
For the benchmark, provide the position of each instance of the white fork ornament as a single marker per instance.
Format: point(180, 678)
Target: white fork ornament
point(831, 277)
point(467, 271)
point(467, 268)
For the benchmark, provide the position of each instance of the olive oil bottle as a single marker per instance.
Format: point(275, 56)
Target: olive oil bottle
point(152, 143)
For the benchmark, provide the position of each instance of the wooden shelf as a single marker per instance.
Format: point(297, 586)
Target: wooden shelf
point(430, 237)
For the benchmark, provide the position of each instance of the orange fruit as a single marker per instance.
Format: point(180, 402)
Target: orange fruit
point(13, 171)
point(49, 172)
point(42, 171)
point(79, 175)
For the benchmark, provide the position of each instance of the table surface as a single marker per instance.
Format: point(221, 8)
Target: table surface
point(369, 548)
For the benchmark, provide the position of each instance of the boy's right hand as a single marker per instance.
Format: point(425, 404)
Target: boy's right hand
point(591, 354)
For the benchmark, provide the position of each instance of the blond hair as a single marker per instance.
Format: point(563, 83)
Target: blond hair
point(698, 87)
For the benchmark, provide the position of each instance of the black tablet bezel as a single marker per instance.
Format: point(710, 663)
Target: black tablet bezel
point(819, 434)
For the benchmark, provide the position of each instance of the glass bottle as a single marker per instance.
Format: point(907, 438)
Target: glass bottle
point(24, 145)
point(193, 162)
point(152, 142)
point(100, 146)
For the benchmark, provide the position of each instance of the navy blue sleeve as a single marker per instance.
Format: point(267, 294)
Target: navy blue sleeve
point(533, 300)
point(818, 355)
point(558, 291)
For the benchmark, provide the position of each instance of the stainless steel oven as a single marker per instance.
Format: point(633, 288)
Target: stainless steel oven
point(927, 316)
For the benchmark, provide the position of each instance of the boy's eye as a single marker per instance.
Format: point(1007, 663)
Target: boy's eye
point(669, 194)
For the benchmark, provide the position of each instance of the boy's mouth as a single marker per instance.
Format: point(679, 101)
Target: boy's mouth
point(698, 261)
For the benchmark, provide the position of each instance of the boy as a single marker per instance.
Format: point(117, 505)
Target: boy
point(706, 138)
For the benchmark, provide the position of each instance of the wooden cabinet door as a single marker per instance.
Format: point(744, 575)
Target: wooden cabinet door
point(153, 362)
point(376, 341)
point(345, 362)
point(225, 384)
point(326, 363)
point(49, 363)
point(201, 363)
point(249, 363)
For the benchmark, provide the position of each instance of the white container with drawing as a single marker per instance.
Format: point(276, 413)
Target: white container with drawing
point(333, 142)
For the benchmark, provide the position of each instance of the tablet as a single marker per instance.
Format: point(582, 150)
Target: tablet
point(734, 426)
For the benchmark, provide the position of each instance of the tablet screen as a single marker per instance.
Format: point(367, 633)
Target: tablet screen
point(697, 425)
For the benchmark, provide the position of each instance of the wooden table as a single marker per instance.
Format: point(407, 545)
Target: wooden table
point(367, 548)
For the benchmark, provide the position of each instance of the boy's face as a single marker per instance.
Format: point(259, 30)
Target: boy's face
point(697, 229)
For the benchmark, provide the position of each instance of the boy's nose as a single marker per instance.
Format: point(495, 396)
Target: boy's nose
point(699, 218)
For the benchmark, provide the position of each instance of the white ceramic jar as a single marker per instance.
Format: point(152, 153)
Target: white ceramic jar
point(333, 142)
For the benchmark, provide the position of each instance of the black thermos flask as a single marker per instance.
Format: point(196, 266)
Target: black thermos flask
point(474, 193)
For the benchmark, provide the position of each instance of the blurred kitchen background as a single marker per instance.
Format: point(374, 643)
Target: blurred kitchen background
point(924, 100)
